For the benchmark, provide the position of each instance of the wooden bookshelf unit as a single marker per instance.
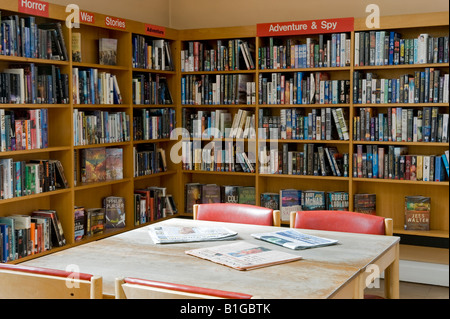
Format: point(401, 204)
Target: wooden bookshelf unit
point(202, 84)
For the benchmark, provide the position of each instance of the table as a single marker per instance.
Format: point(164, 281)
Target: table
point(337, 271)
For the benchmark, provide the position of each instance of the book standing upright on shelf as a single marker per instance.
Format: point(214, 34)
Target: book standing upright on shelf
point(417, 212)
point(107, 51)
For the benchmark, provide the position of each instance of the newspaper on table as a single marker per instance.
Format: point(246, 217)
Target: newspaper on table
point(243, 256)
point(294, 239)
point(183, 234)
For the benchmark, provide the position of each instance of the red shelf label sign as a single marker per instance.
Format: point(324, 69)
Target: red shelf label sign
point(155, 30)
point(34, 7)
point(305, 27)
point(87, 17)
point(115, 23)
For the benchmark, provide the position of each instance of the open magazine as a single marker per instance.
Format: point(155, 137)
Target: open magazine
point(183, 234)
point(243, 256)
point(294, 240)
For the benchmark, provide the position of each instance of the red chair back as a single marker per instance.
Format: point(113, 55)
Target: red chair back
point(186, 289)
point(235, 213)
point(340, 221)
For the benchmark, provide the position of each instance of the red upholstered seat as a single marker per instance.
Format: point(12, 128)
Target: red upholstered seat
point(235, 213)
point(340, 221)
point(186, 289)
point(343, 221)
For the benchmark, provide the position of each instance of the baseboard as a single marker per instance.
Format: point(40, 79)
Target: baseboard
point(424, 273)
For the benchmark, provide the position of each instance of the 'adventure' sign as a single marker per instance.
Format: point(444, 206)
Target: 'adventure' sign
point(305, 27)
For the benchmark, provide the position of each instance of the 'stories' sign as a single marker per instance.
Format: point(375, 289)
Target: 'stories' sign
point(305, 27)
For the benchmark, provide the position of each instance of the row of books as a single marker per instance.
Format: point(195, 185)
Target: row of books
point(149, 124)
point(315, 160)
point(301, 88)
point(394, 162)
point(293, 123)
point(151, 89)
point(332, 50)
point(93, 221)
point(91, 86)
point(152, 203)
point(23, 129)
point(428, 86)
point(101, 164)
point(218, 89)
point(425, 124)
point(152, 54)
point(19, 178)
point(219, 124)
point(291, 200)
point(198, 193)
point(25, 235)
point(33, 84)
point(98, 127)
point(23, 37)
point(223, 55)
point(226, 157)
point(391, 48)
point(148, 159)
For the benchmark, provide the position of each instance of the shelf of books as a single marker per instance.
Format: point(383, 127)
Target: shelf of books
point(355, 119)
point(85, 122)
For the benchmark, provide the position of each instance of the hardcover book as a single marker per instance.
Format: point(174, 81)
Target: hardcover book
point(290, 201)
point(313, 200)
point(107, 51)
point(210, 194)
point(270, 200)
point(79, 223)
point(365, 203)
point(76, 46)
point(247, 195)
point(93, 166)
point(114, 211)
point(193, 196)
point(114, 164)
point(95, 221)
point(417, 212)
point(230, 194)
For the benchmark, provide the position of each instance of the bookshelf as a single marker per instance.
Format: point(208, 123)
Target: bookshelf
point(68, 136)
point(131, 76)
point(390, 192)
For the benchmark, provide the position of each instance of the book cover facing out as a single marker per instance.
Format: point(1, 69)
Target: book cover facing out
point(114, 212)
point(417, 212)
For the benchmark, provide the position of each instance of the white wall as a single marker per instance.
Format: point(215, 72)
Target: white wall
point(191, 14)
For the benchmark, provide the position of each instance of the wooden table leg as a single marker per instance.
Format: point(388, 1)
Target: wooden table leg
point(392, 279)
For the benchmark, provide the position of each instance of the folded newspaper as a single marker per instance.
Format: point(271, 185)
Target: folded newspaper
point(243, 256)
point(294, 240)
point(183, 234)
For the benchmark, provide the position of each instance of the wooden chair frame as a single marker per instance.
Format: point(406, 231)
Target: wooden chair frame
point(132, 288)
point(23, 282)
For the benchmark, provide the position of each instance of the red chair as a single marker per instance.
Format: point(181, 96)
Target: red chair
point(343, 221)
point(133, 288)
point(24, 282)
point(237, 213)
